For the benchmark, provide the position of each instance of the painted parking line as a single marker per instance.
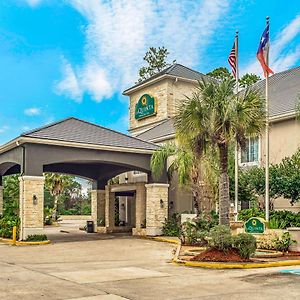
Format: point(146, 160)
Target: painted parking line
point(294, 271)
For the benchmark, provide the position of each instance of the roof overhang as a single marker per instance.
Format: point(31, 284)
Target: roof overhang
point(154, 80)
point(22, 140)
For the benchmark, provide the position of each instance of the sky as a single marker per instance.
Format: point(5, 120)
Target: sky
point(62, 58)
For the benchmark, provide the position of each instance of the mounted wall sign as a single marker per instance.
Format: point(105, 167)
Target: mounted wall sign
point(145, 107)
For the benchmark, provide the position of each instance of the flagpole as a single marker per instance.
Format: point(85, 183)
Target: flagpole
point(267, 199)
point(236, 168)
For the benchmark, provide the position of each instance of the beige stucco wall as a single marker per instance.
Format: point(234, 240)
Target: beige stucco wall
point(284, 142)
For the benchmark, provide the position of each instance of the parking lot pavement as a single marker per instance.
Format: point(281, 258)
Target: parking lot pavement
point(91, 267)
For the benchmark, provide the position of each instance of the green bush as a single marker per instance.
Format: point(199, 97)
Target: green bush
point(245, 243)
point(190, 235)
point(279, 219)
point(204, 222)
point(36, 238)
point(220, 238)
point(284, 242)
point(171, 227)
point(7, 223)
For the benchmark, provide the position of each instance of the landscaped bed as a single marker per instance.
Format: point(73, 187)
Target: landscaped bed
point(196, 254)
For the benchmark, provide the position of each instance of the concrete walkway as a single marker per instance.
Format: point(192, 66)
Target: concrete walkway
point(93, 267)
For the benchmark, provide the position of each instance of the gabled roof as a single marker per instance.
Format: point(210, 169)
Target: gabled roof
point(160, 131)
point(284, 90)
point(175, 70)
point(79, 131)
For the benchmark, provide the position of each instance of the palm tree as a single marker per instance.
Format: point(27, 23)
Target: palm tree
point(56, 183)
point(214, 117)
point(190, 170)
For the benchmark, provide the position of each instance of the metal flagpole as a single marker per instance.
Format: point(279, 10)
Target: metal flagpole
point(267, 200)
point(236, 167)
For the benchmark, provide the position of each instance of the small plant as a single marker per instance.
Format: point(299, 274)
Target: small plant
point(245, 243)
point(7, 223)
point(220, 238)
point(284, 242)
point(190, 235)
point(171, 227)
point(36, 238)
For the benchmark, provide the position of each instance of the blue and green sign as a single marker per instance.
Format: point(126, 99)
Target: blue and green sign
point(255, 225)
point(145, 107)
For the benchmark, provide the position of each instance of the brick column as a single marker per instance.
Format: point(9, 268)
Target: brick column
point(156, 207)
point(31, 205)
point(109, 209)
point(1, 200)
point(140, 206)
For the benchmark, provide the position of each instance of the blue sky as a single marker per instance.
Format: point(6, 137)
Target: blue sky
point(75, 57)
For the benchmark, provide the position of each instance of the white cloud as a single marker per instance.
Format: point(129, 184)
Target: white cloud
point(4, 128)
point(280, 59)
point(69, 85)
point(33, 111)
point(34, 3)
point(119, 33)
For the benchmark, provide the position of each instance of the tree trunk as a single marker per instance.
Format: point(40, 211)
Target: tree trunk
point(54, 213)
point(224, 201)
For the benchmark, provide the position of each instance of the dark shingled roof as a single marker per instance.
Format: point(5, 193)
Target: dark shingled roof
point(159, 131)
point(79, 131)
point(175, 70)
point(284, 90)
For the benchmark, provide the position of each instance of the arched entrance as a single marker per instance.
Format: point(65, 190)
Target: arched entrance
point(79, 148)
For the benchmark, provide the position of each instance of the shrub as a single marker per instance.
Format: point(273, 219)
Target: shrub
point(7, 223)
point(204, 222)
point(190, 235)
point(171, 227)
point(220, 238)
point(284, 242)
point(245, 243)
point(280, 219)
point(267, 241)
point(36, 238)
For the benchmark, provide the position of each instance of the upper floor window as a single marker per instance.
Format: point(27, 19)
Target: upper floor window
point(251, 152)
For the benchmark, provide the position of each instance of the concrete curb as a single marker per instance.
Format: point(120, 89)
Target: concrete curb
point(24, 243)
point(221, 265)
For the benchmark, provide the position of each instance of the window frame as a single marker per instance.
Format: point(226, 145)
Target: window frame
point(251, 163)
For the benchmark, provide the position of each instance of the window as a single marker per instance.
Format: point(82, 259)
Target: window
point(137, 172)
point(251, 152)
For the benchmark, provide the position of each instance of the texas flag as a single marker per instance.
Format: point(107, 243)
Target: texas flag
point(263, 52)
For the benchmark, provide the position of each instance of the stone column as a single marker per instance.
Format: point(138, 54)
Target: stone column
point(101, 206)
point(109, 209)
point(97, 207)
point(1, 200)
point(156, 207)
point(31, 205)
point(94, 209)
point(140, 206)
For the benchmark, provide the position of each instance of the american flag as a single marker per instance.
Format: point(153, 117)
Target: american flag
point(263, 52)
point(232, 59)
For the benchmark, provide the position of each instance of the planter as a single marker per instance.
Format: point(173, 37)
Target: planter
point(295, 233)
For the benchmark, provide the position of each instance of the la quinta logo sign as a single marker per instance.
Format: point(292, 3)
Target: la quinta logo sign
point(145, 107)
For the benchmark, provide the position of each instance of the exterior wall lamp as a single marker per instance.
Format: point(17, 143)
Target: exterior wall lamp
point(161, 203)
point(34, 200)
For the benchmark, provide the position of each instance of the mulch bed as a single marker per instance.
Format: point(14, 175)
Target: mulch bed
point(215, 255)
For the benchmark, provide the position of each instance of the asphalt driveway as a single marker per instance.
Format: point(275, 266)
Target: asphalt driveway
point(90, 266)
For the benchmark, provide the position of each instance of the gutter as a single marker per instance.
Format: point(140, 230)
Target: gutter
point(21, 140)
